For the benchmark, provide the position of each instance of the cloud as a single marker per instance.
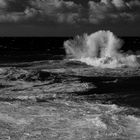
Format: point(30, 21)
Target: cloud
point(59, 10)
point(46, 10)
point(17, 16)
point(119, 3)
point(113, 10)
point(69, 12)
point(134, 3)
point(3, 3)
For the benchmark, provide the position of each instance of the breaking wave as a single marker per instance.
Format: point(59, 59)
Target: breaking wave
point(101, 49)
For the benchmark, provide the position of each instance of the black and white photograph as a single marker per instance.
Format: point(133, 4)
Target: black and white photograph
point(69, 69)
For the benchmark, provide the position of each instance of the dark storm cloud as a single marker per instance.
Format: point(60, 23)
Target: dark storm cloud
point(44, 10)
point(114, 10)
point(9, 12)
point(69, 16)
point(59, 11)
point(69, 11)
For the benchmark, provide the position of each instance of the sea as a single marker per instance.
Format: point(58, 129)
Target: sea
point(45, 94)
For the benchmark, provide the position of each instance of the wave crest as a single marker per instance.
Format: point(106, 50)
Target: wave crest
point(99, 49)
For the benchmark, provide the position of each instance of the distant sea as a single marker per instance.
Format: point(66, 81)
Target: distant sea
point(21, 49)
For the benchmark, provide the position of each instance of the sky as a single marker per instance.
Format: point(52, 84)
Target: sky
point(69, 17)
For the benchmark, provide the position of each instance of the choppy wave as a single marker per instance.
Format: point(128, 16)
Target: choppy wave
point(52, 102)
point(100, 49)
point(68, 120)
point(62, 99)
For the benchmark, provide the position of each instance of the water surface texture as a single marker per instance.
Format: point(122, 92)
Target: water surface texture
point(47, 94)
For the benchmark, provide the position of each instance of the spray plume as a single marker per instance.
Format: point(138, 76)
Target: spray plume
point(99, 49)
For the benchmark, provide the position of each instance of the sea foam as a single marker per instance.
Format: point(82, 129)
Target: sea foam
point(101, 49)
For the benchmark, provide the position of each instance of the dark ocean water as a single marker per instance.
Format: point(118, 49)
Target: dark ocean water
point(46, 96)
point(13, 49)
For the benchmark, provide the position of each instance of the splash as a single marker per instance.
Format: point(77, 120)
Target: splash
point(99, 49)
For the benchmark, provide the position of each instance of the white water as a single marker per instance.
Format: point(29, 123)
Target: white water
point(101, 49)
